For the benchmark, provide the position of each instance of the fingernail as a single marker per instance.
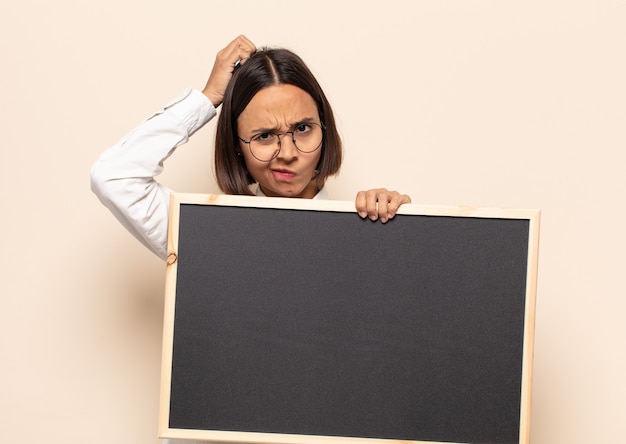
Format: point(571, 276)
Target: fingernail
point(362, 214)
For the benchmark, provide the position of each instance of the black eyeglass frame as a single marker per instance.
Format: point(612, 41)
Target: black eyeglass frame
point(293, 140)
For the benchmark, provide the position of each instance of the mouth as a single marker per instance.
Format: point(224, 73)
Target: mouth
point(283, 174)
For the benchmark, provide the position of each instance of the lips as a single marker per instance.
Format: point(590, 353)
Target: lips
point(283, 174)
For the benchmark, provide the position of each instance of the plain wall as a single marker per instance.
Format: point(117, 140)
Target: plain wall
point(478, 103)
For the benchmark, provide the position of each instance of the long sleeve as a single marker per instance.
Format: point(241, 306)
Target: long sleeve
point(123, 176)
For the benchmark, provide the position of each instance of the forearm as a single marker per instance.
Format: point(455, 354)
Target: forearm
point(123, 176)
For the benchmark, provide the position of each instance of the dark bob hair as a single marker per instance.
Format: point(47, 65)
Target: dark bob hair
point(265, 68)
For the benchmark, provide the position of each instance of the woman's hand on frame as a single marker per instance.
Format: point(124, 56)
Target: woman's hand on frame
point(380, 203)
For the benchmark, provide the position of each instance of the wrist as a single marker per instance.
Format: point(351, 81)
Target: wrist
point(214, 98)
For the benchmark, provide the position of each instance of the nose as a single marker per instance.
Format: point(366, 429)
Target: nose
point(287, 146)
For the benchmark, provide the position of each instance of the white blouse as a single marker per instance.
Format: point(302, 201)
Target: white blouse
point(123, 177)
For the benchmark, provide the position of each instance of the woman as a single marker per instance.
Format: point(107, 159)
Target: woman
point(276, 130)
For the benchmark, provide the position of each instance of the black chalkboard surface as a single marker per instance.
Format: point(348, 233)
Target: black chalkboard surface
point(295, 321)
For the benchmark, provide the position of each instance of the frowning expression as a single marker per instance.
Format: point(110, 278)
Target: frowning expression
point(276, 109)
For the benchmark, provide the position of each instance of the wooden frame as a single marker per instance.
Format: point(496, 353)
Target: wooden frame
point(232, 436)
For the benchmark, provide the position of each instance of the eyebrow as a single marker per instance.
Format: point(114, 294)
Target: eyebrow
point(276, 129)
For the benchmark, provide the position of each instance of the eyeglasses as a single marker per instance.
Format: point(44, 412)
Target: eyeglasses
point(306, 137)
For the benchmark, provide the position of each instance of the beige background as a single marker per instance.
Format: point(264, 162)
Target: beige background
point(481, 103)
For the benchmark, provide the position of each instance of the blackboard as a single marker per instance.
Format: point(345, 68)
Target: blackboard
point(296, 321)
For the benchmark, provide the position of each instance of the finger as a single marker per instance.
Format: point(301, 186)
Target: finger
point(395, 202)
point(361, 204)
point(376, 203)
point(366, 204)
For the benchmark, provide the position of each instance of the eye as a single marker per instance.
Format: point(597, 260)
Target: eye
point(302, 128)
point(264, 138)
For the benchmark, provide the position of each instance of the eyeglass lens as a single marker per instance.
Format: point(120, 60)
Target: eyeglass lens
point(307, 138)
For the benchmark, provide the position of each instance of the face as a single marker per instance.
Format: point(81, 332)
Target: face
point(276, 109)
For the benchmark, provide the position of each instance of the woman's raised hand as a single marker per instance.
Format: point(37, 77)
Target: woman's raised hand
point(237, 52)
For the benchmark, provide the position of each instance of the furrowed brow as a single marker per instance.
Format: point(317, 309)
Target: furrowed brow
point(274, 129)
